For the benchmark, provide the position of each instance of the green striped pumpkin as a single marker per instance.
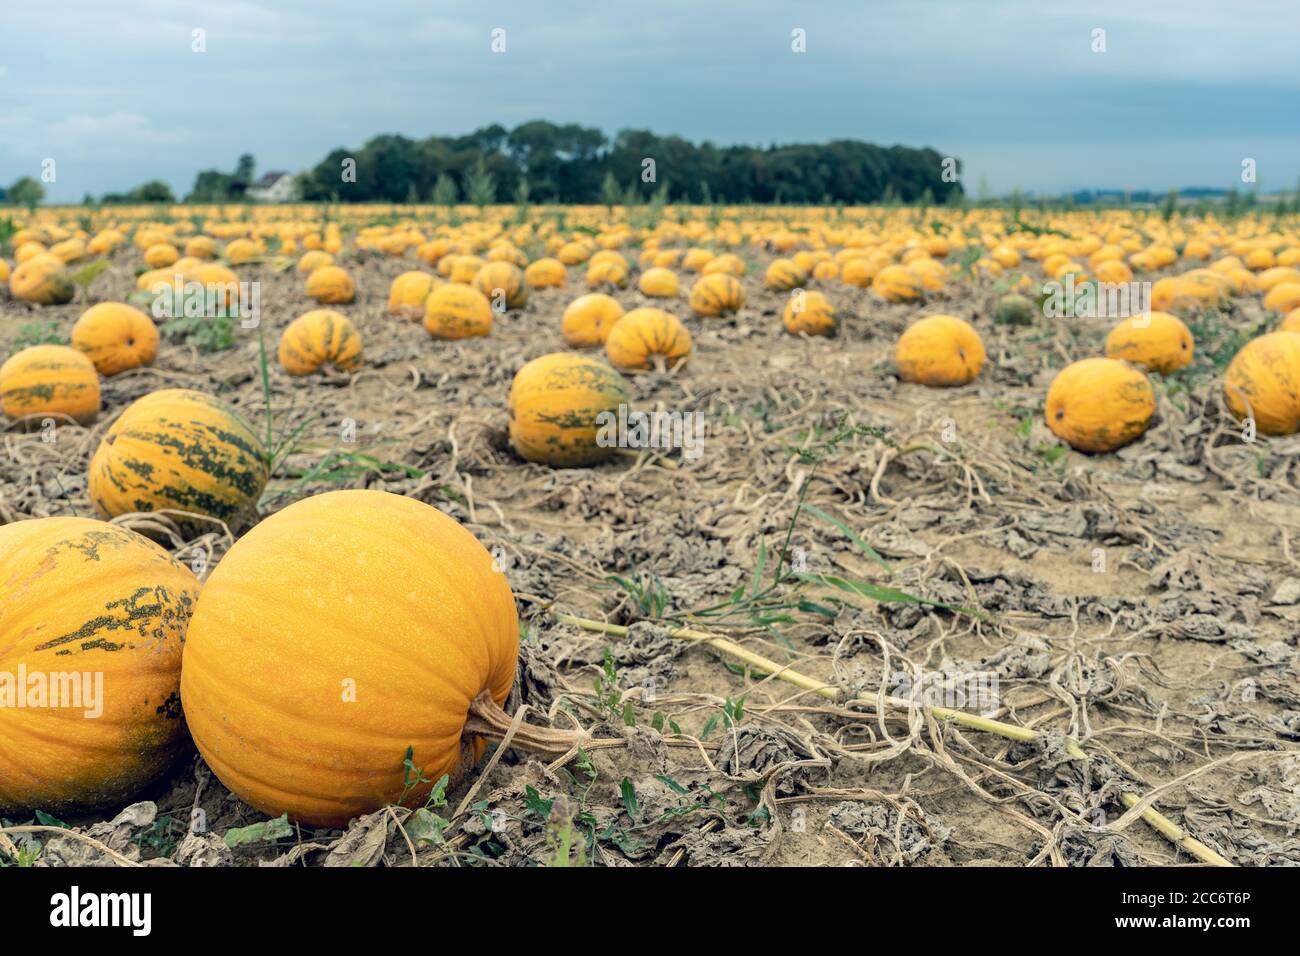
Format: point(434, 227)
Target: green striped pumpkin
point(49, 380)
point(555, 407)
point(182, 450)
point(717, 293)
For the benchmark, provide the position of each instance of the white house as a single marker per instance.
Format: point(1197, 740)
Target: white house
point(273, 187)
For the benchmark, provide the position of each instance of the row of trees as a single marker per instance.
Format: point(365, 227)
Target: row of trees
point(550, 163)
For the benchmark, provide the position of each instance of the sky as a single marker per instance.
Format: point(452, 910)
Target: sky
point(114, 92)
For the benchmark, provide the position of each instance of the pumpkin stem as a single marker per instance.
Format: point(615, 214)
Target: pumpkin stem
point(488, 720)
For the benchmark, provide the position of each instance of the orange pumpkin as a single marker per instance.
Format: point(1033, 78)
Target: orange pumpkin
point(103, 612)
point(1100, 404)
point(587, 320)
point(646, 338)
point(809, 313)
point(502, 282)
point(379, 645)
point(49, 380)
point(456, 311)
point(318, 338)
point(717, 294)
point(1263, 382)
point(1158, 341)
point(330, 285)
point(43, 279)
point(940, 350)
point(409, 293)
point(545, 273)
point(556, 402)
point(115, 337)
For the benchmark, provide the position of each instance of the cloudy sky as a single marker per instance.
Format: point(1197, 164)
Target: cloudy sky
point(1184, 91)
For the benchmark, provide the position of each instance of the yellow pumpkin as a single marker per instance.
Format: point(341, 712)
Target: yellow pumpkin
point(49, 380)
point(826, 271)
point(728, 263)
point(1099, 404)
point(783, 275)
point(696, 259)
point(1283, 297)
point(201, 247)
point(464, 269)
point(115, 337)
point(331, 285)
point(313, 260)
point(502, 282)
point(409, 293)
point(378, 644)
point(181, 450)
point(897, 284)
point(658, 283)
point(555, 406)
point(89, 602)
point(1290, 322)
point(161, 255)
point(809, 313)
point(940, 350)
point(932, 274)
point(574, 253)
point(4, 271)
point(43, 279)
point(241, 251)
point(587, 320)
point(646, 338)
point(608, 273)
point(1159, 342)
point(24, 251)
point(318, 338)
point(1263, 382)
point(716, 294)
point(859, 271)
point(456, 311)
point(220, 284)
point(69, 250)
point(1269, 278)
point(546, 273)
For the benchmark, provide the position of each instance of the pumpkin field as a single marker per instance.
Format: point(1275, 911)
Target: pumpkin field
point(636, 535)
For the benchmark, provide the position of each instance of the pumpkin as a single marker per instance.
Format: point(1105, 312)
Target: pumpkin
point(574, 253)
point(587, 320)
point(43, 279)
point(1014, 309)
point(502, 282)
point(716, 294)
point(242, 250)
point(220, 284)
point(318, 338)
point(1198, 289)
point(728, 263)
point(115, 337)
point(331, 285)
point(464, 269)
point(182, 450)
point(1100, 404)
point(658, 283)
point(456, 311)
point(1274, 277)
point(69, 250)
point(1290, 322)
point(897, 284)
point(554, 404)
point(23, 251)
point(49, 380)
point(646, 338)
point(1283, 297)
point(696, 259)
point(940, 350)
point(161, 255)
point(809, 313)
point(932, 274)
point(80, 597)
point(546, 273)
point(1263, 381)
point(507, 253)
point(607, 273)
point(1159, 342)
point(783, 275)
point(313, 260)
point(379, 644)
point(4, 271)
point(409, 293)
point(202, 247)
point(826, 271)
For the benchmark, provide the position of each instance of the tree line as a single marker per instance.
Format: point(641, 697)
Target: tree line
point(545, 162)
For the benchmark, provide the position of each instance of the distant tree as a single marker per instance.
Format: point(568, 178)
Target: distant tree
point(25, 191)
point(153, 191)
point(1170, 205)
point(610, 194)
point(445, 192)
point(480, 185)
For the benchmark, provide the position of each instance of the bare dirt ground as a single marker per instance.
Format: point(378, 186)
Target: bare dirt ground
point(1143, 603)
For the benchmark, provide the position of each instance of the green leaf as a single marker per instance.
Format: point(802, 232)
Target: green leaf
point(424, 826)
point(865, 548)
point(672, 785)
point(46, 820)
point(629, 799)
point(534, 804)
point(85, 276)
point(259, 832)
point(758, 568)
